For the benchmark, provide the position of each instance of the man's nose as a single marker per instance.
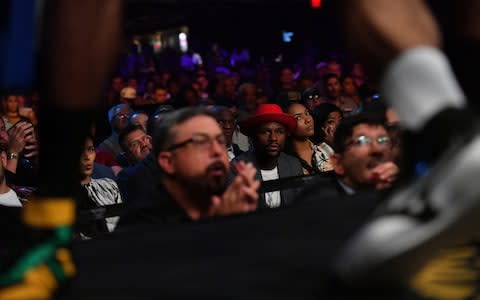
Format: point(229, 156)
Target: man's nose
point(217, 148)
point(274, 136)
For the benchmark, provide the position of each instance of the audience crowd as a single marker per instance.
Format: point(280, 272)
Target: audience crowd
point(194, 141)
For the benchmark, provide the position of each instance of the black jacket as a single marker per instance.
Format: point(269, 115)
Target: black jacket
point(288, 166)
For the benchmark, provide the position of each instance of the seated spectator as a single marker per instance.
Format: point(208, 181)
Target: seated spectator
point(268, 129)
point(350, 91)
point(139, 118)
point(118, 117)
point(7, 196)
point(157, 117)
point(136, 145)
point(247, 100)
point(333, 92)
point(161, 95)
point(100, 192)
point(228, 123)
point(22, 153)
point(362, 159)
point(12, 115)
point(185, 176)
point(326, 118)
point(311, 98)
point(314, 158)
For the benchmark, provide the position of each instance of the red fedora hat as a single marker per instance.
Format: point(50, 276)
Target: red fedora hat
point(268, 113)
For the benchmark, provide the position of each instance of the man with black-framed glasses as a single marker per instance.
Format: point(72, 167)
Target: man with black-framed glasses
point(363, 154)
point(184, 178)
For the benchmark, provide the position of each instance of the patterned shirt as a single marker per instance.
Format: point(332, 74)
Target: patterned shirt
point(104, 191)
point(321, 154)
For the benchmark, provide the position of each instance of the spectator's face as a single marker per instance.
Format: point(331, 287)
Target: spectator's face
point(203, 82)
point(11, 104)
point(313, 100)
point(227, 123)
point(140, 119)
point(191, 97)
point(334, 118)
point(202, 165)
point(349, 87)
point(229, 86)
point(306, 83)
point(357, 71)
point(335, 68)
point(305, 127)
point(356, 163)
point(286, 76)
point(250, 97)
point(161, 96)
point(333, 87)
point(132, 82)
point(269, 139)
point(117, 84)
point(87, 159)
point(138, 144)
point(120, 119)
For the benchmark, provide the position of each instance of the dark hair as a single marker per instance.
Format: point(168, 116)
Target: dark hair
point(156, 117)
point(308, 92)
point(163, 133)
point(123, 136)
point(137, 112)
point(345, 76)
point(326, 77)
point(159, 87)
point(320, 116)
point(344, 131)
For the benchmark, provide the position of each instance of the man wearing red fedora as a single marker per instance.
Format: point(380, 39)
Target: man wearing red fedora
point(267, 129)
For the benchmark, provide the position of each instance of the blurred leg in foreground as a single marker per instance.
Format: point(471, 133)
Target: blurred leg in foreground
point(78, 46)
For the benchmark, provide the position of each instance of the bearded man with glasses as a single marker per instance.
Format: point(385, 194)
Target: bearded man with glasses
point(184, 178)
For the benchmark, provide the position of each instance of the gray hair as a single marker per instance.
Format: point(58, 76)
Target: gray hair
point(163, 133)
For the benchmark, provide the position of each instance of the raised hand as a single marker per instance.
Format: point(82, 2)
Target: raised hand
point(241, 195)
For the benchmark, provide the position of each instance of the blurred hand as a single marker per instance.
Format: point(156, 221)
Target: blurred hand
point(19, 135)
point(384, 175)
point(241, 195)
point(329, 132)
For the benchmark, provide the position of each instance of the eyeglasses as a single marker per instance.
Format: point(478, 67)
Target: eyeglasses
point(314, 96)
point(201, 141)
point(142, 140)
point(122, 116)
point(363, 140)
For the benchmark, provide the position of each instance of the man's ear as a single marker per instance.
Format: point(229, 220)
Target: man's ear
point(336, 160)
point(165, 161)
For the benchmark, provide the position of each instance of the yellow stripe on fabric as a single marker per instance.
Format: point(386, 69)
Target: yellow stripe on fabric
point(39, 284)
point(49, 212)
point(449, 276)
point(65, 259)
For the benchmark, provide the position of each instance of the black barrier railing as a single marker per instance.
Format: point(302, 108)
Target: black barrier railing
point(114, 210)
